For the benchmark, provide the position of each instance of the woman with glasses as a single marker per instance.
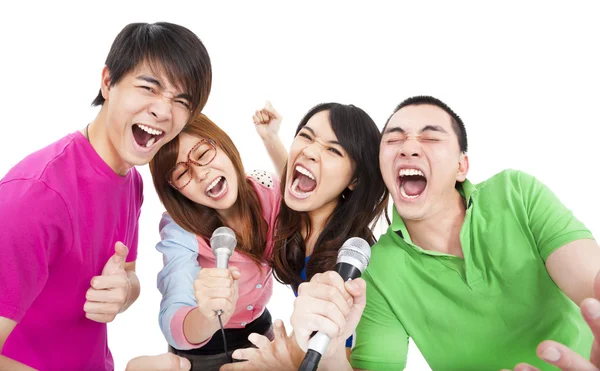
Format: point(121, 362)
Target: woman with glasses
point(200, 179)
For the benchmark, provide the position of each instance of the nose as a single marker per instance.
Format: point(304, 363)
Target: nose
point(411, 148)
point(200, 173)
point(311, 152)
point(161, 109)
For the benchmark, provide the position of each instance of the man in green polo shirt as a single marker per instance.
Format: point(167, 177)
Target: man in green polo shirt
point(476, 274)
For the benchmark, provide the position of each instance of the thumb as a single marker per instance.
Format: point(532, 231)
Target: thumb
point(235, 273)
point(117, 261)
point(268, 105)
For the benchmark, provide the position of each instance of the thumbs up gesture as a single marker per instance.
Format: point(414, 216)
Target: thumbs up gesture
point(109, 292)
point(267, 121)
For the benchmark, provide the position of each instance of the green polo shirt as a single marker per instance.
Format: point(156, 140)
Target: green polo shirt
point(487, 311)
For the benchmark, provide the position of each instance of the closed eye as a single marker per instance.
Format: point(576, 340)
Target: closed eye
point(148, 88)
point(335, 151)
point(304, 135)
point(182, 174)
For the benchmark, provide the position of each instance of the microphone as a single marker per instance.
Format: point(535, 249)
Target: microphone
point(353, 258)
point(222, 244)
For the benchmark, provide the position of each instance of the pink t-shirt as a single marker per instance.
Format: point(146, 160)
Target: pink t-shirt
point(63, 209)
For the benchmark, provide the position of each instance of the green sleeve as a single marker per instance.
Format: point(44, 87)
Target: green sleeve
point(552, 224)
point(381, 343)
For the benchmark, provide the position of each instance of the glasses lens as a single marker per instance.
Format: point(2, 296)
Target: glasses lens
point(203, 153)
point(180, 175)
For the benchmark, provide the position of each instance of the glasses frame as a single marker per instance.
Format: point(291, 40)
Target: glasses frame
point(189, 162)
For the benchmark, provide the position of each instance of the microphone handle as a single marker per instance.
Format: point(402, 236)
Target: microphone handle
point(222, 257)
point(347, 271)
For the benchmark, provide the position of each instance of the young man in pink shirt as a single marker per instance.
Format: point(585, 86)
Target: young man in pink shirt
point(69, 214)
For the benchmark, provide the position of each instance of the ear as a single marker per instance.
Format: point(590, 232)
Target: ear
point(105, 83)
point(463, 167)
point(352, 185)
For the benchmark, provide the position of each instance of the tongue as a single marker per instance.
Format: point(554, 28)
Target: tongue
point(217, 188)
point(306, 184)
point(140, 136)
point(414, 185)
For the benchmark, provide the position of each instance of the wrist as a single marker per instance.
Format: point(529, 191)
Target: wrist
point(269, 137)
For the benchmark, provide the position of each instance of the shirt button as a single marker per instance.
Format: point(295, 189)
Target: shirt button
point(249, 307)
point(243, 323)
point(259, 286)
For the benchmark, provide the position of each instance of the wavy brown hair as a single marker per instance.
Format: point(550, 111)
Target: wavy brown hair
point(357, 211)
point(202, 220)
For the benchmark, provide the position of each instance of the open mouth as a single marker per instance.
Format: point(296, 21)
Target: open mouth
point(303, 182)
point(217, 188)
point(145, 136)
point(412, 183)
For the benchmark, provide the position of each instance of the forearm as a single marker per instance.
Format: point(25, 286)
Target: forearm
point(7, 364)
point(277, 152)
point(134, 289)
point(197, 328)
point(337, 361)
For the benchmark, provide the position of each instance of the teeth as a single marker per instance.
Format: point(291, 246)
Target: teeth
point(149, 130)
point(150, 142)
point(403, 193)
point(407, 172)
point(213, 184)
point(303, 171)
point(297, 190)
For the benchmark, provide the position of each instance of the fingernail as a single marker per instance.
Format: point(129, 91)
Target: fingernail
point(593, 308)
point(184, 364)
point(551, 354)
point(352, 285)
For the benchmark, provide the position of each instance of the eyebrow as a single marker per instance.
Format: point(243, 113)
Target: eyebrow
point(315, 134)
point(397, 129)
point(154, 81)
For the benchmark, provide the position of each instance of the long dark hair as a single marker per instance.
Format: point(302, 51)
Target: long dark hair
point(356, 212)
point(202, 220)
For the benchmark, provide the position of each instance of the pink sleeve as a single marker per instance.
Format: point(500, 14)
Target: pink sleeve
point(177, 329)
point(35, 230)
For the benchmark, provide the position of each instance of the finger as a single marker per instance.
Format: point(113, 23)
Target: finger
point(249, 354)
point(358, 289)
point(119, 257)
point(264, 118)
point(235, 273)
point(101, 308)
point(597, 286)
point(102, 318)
point(525, 367)
point(563, 357)
point(590, 308)
point(109, 282)
point(104, 296)
point(217, 293)
point(259, 341)
point(279, 331)
point(326, 293)
point(332, 278)
point(212, 282)
point(268, 105)
point(319, 315)
point(255, 120)
point(215, 272)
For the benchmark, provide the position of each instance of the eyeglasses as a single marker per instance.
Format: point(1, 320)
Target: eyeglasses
point(201, 154)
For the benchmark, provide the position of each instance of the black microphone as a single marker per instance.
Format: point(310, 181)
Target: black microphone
point(353, 258)
point(222, 244)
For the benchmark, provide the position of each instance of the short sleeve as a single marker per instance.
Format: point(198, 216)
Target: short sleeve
point(552, 224)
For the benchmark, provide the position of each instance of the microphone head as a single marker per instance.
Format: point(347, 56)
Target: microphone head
point(223, 237)
point(355, 251)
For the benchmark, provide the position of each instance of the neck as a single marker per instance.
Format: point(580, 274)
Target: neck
point(97, 135)
point(318, 218)
point(231, 217)
point(441, 231)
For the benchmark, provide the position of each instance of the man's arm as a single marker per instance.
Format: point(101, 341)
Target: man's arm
point(573, 268)
point(6, 327)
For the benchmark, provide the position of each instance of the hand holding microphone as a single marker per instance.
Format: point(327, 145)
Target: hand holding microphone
point(215, 289)
point(331, 303)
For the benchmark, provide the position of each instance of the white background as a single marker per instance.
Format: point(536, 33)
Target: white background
point(524, 77)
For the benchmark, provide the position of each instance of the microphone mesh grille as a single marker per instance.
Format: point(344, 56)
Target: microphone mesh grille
point(356, 248)
point(223, 237)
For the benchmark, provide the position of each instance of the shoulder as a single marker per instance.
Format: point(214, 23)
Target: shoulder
point(264, 179)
